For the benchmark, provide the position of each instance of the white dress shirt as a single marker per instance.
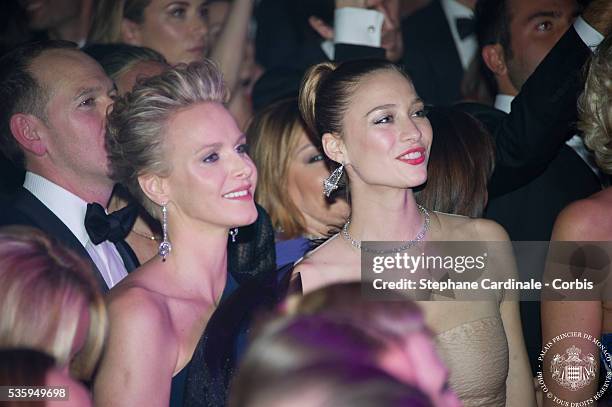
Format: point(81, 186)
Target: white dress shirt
point(71, 209)
point(358, 26)
point(355, 26)
point(468, 46)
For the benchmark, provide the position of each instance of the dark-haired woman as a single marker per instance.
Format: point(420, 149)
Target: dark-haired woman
point(373, 125)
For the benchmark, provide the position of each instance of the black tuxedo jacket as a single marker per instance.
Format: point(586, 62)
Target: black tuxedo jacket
point(12, 177)
point(431, 57)
point(529, 212)
point(543, 117)
point(23, 208)
point(251, 255)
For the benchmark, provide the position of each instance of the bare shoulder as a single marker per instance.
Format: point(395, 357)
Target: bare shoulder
point(462, 228)
point(332, 263)
point(142, 338)
point(139, 308)
point(323, 256)
point(304, 265)
point(488, 230)
point(586, 219)
point(313, 261)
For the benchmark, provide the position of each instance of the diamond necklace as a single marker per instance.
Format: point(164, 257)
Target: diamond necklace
point(419, 237)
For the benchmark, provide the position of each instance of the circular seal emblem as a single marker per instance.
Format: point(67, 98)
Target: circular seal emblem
point(573, 369)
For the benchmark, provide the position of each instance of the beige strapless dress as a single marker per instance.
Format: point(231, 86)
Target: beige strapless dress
point(476, 354)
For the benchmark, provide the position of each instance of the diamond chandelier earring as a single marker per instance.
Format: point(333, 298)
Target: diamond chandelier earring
point(233, 233)
point(165, 247)
point(330, 184)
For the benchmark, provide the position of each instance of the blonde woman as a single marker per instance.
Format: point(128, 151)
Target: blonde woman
point(49, 301)
point(179, 152)
point(586, 220)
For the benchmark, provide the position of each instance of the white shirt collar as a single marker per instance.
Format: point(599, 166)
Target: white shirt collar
point(328, 49)
point(69, 208)
point(503, 102)
point(453, 9)
point(467, 47)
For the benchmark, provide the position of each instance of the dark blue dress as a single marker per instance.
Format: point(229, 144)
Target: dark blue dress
point(289, 251)
point(179, 381)
point(252, 287)
point(224, 340)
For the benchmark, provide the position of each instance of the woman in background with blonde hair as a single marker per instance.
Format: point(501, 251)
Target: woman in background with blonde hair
point(50, 301)
point(291, 172)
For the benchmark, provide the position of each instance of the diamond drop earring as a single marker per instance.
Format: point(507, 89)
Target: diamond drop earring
point(330, 184)
point(165, 247)
point(233, 233)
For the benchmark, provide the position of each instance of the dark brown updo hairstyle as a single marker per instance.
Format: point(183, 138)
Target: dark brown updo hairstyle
point(327, 90)
point(460, 165)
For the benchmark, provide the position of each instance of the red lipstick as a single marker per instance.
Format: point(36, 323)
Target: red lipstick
point(414, 156)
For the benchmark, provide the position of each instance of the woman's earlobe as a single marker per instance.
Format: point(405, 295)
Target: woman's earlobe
point(333, 147)
point(154, 187)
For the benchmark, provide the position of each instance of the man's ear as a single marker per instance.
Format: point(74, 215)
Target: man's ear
point(494, 58)
point(333, 146)
point(155, 188)
point(321, 27)
point(28, 130)
point(130, 32)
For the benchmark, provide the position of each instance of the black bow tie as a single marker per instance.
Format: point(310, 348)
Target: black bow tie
point(113, 227)
point(465, 27)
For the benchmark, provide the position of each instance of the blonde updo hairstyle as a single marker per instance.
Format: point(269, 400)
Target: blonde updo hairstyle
point(595, 106)
point(327, 90)
point(43, 288)
point(137, 123)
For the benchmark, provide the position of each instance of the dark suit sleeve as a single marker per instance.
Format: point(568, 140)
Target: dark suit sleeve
point(431, 57)
point(347, 52)
point(542, 116)
point(277, 39)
